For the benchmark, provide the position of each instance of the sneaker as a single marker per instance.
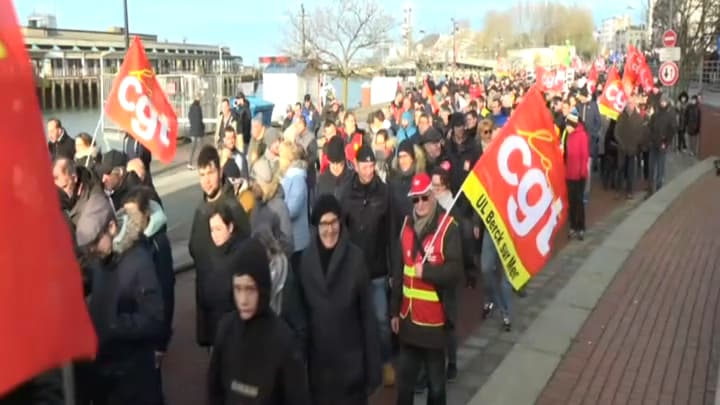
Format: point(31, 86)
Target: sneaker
point(581, 235)
point(388, 375)
point(487, 309)
point(190, 167)
point(507, 325)
point(451, 372)
point(571, 234)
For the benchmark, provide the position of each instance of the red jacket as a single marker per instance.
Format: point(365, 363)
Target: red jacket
point(577, 154)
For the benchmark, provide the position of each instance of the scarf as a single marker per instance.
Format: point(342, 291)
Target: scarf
point(419, 224)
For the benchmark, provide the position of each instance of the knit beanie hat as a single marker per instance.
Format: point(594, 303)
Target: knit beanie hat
point(335, 150)
point(326, 203)
point(408, 147)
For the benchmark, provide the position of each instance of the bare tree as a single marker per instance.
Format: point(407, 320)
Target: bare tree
point(697, 23)
point(529, 24)
point(339, 34)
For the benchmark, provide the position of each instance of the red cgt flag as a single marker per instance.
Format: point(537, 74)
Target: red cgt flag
point(43, 319)
point(139, 105)
point(518, 189)
point(614, 97)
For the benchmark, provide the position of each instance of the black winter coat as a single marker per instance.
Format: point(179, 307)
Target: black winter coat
point(367, 211)
point(215, 295)
point(126, 307)
point(256, 362)
point(336, 323)
point(201, 248)
point(663, 127)
point(64, 147)
point(693, 119)
point(195, 116)
point(329, 184)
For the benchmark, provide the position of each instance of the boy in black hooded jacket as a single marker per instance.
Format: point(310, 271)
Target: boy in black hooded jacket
point(254, 358)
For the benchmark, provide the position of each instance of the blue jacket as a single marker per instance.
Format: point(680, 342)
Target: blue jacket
point(590, 116)
point(406, 133)
point(296, 199)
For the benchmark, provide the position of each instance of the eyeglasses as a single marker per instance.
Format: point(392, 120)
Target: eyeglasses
point(423, 198)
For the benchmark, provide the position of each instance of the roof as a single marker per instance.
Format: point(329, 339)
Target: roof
point(296, 68)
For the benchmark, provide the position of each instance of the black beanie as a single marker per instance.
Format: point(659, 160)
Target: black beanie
point(365, 154)
point(251, 260)
point(335, 150)
point(408, 147)
point(325, 203)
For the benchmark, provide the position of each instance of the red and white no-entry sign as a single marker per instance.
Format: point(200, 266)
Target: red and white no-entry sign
point(669, 38)
point(669, 73)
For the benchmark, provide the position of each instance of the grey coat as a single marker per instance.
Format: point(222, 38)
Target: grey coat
point(272, 212)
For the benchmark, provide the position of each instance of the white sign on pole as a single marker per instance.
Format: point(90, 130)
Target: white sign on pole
point(669, 73)
point(671, 54)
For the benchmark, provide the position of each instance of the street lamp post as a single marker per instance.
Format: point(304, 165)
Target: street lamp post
point(454, 42)
point(127, 26)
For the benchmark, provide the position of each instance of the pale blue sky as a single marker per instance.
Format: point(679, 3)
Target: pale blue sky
point(252, 28)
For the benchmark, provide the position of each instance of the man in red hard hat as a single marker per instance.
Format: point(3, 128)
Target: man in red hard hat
point(427, 268)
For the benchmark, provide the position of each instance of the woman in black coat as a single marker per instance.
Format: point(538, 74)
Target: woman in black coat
point(336, 323)
point(216, 290)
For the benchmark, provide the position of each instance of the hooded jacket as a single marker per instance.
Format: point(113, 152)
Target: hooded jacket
point(256, 361)
point(126, 303)
point(409, 132)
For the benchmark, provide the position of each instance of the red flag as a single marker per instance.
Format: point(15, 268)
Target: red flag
point(43, 318)
point(518, 189)
point(614, 97)
point(139, 105)
point(592, 79)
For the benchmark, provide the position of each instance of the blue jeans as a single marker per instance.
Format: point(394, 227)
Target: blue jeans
point(497, 286)
point(657, 168)
point(380, 301)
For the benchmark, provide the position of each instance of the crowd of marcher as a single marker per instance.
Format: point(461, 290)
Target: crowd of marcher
point(328, 257)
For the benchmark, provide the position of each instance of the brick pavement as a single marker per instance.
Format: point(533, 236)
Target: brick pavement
point(652, 338)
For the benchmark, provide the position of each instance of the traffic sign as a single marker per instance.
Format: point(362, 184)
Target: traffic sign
point(669, 54)
point(669, 38)
point(669, 73)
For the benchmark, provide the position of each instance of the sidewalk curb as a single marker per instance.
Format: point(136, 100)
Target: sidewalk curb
point(523, 374)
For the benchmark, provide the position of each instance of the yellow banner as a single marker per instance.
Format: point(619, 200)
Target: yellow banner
point(484, 206)
point(608, 112)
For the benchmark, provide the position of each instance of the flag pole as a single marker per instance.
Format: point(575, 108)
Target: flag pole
point(68, 384)
point(437, 231)
point(92, 143)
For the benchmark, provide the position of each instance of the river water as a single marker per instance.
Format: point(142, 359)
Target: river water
point(85, 120)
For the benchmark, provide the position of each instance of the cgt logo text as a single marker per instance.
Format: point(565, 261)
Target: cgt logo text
point(147, 121)
point(524, 216)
